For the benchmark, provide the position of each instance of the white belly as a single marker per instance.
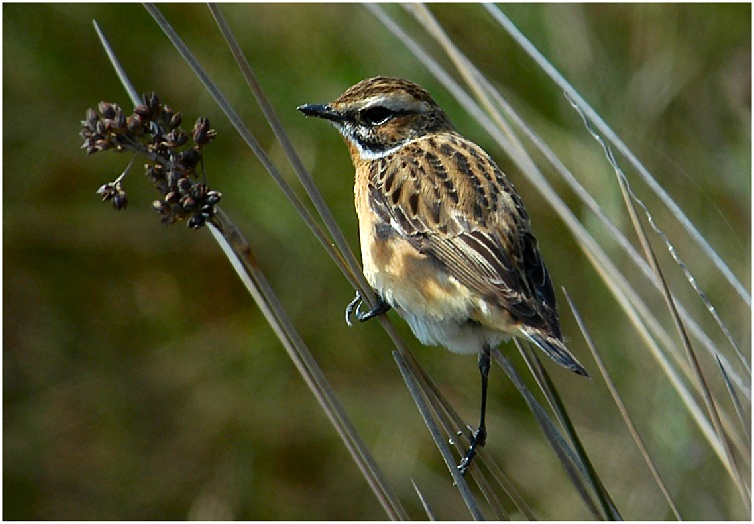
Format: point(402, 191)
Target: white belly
point(458, 336)
point(438, 308)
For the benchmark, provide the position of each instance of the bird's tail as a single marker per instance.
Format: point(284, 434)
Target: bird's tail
point(555, 349)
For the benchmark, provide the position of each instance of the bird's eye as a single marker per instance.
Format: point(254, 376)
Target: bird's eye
point(377, 115)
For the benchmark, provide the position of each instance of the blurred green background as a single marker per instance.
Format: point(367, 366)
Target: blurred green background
point(141, 382)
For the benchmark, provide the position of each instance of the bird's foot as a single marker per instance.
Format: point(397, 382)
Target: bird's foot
point(354, 309)
point(479, 439)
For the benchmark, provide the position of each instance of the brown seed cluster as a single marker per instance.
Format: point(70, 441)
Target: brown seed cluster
point(154, 130)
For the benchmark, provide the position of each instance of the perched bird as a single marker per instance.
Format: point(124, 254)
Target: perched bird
point(445, 238)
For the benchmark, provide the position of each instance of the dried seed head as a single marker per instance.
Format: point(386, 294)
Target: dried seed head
point(187, 203)
point(199, 191)
point(90, 146)
point(160, 206)
point(152, 101)
point(107, 109)
point(184, 184)
point(212, 198)
point(196, 221)
point(143, 111)
point(120, 200)
point(167, 114)
point(175, 138)
point(190, 158)
point(175, 120)
point(203, 134)
point(107, 191)
point(91, 119)
point(153, 129)
point(101, 127)
point(136, 124)
point(119, 123)
point(155, 172)
point(174, 175)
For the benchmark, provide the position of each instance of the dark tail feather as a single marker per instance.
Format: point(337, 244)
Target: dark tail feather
point(556, 350)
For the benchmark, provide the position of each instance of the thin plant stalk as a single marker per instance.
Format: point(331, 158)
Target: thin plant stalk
point(557, 406)
point(352, 268)
point(416, 391)
point(239, 253)
point(707, 394)
point(623, 410)
point(559, 444)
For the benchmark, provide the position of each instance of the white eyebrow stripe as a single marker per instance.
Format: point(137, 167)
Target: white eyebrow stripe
point(402, 102)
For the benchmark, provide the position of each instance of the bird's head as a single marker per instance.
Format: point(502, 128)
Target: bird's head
point(380, 115)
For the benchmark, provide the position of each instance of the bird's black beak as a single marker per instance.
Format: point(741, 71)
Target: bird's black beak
point(321, 111)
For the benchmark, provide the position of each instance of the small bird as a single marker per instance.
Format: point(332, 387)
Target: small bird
point(445, 238)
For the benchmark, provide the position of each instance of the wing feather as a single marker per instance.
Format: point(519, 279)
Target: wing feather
point(450, 201)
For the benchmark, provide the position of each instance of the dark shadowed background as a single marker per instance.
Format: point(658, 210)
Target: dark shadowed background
point(141, 382)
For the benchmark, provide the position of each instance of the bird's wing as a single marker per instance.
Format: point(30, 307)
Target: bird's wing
point(447, 197)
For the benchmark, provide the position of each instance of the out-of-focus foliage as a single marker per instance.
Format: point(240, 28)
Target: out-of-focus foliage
point(139, 380)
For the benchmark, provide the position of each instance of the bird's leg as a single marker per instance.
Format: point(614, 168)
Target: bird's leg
point(480, 435)
point(354, 309)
